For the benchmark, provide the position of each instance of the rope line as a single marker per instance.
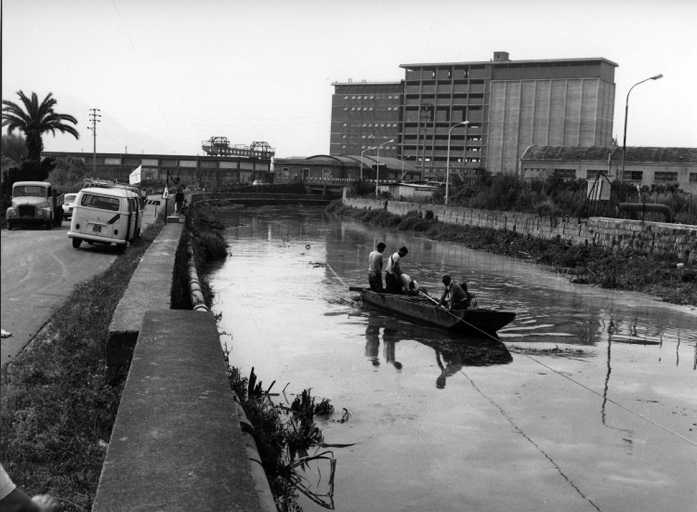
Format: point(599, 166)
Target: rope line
point(612, 401)
point(589, 389)
point(527, 438)
point(337, 275)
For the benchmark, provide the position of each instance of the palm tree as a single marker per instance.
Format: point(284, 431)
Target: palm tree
point(34, 120)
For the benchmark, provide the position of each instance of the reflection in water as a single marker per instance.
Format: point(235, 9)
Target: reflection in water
point(452, 351)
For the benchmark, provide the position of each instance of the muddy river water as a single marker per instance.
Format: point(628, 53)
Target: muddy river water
point(588, 402)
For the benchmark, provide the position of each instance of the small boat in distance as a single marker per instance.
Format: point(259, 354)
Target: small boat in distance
point(422, 309)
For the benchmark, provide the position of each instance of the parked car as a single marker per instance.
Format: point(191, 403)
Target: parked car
point(68, 205)
point(34, 203)
point(106, 216)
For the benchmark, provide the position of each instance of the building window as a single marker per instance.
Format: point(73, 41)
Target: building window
point(665, 176)
point(693, 177)
point(593, 173)
point(346, 97)
point(633, 175)
point(567, 174)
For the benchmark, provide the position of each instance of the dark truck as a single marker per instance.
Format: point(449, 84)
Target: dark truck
point(34, 203)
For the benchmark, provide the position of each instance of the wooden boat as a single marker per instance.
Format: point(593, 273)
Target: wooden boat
point(423, 310)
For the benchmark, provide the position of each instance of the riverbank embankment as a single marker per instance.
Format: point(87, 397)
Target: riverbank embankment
point(656, 259)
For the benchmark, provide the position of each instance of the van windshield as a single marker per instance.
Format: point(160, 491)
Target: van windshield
point(101, 202)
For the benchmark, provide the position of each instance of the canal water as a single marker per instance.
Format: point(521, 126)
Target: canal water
point(587, 402)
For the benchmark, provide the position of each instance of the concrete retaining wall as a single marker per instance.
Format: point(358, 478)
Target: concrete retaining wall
point(651, 238)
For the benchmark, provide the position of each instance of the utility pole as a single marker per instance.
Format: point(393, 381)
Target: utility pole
point(94, 117)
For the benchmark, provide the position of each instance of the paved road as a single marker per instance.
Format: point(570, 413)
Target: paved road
point(40, 268)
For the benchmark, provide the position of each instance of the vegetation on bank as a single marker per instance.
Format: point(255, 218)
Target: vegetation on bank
point(622, 270)
point(57, 408)
point(284, 435)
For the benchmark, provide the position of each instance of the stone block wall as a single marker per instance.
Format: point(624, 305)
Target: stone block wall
point(655, 238)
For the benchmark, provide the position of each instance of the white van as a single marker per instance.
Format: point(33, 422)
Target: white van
point(106, 216)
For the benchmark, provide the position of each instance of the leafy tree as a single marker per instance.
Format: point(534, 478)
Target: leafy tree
point(35, 119)
point(14, 147)
point(68, 173)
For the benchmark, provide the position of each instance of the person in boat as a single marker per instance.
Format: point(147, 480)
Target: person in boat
point(409, 285)
point(454, 294)
point(375, 268)
point(393, 271)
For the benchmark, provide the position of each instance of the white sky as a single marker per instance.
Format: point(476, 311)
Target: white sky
point(168, 74)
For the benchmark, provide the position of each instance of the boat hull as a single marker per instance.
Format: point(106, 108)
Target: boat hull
point(423, 311)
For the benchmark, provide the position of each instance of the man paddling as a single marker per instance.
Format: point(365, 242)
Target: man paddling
point(456, 296)
point(375, 269)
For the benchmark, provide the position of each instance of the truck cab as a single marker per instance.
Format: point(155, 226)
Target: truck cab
point(34, 203)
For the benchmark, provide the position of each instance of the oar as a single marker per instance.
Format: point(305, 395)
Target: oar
point(356, 289)
point(428, 297)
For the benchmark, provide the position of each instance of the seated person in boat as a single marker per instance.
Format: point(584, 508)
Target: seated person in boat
point(393, 271)
point(454, 294)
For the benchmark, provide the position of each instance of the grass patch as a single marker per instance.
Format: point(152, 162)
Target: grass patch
point(57, 409)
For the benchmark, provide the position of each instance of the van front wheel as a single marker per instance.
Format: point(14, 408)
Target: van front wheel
point(77, 242)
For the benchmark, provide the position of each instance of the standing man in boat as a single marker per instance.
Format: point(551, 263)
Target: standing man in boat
point(454, 294)
point(375, 269)
point(393, 272)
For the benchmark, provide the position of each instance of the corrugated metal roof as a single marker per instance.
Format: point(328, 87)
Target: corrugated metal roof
point(600, 154)
point(347, 160)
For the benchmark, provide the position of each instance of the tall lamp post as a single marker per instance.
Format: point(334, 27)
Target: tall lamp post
point(447, 163)
point(362, 153)
point(377, 166)
point(626, 112)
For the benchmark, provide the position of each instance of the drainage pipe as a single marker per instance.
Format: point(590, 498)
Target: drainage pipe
point(261, 482)
point(651, 208)
point(198, 303)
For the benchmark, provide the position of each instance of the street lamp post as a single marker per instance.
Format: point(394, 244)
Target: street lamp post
point(362, 153)
point(626, 112)
point(377, 166)
point(447, 163)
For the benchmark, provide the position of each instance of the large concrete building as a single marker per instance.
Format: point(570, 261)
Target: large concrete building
point(506, 105)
